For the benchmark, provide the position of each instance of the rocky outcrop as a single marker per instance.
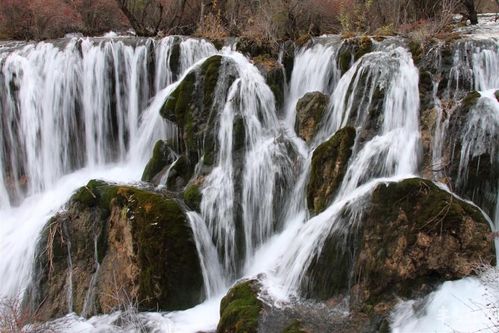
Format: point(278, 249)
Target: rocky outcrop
point(329, 165)
point(115, 246)
point(309, 112)
point(351, 50)
point(274, 74)
point(410, 238)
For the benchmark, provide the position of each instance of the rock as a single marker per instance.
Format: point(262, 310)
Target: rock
point(496, 94)
point(274, 74)
point(329, 165)
point(240, 308)
point(309, 112)
point(162, 157)
point(352, 50)
point(193, 196)
point(192, 106)
point(116, 245)
point(412, 237)
point(471, 151)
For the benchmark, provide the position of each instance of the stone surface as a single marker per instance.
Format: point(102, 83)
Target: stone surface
point(116, 245)
point(329, 165)
point(309, 112)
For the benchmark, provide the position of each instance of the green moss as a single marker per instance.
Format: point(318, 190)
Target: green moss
point(336, 152)
point(294, 327)
point(95, 193)
point(240, 309)
point(193, 196)
point(210, 73)
point(160, 159)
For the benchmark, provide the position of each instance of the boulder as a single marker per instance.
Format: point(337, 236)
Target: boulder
point(274, 75)
point(309, 112)
point(115, 246)
point(240, 309)
point(329, 165)
point(410, 238)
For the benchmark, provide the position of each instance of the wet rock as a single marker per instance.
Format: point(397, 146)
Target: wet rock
point(274, 75)
point(116, 245)
point(329, 165)
point(309, 112)
point(471, 151)
point(410, 238)
point(240, 309)
point(352, 50)
point(162, 157)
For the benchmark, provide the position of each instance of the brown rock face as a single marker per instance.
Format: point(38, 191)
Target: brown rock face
point(116, 245)
point(309, 112)
point(329, 165)
point(412, 237)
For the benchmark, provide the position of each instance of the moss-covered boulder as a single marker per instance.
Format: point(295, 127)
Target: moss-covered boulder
point(329, 165)
point(162, 157)
point(309, 112)
point(411, 237)
point(116, 245)
point(351, 50)
point(240, 309)
point(193, 105)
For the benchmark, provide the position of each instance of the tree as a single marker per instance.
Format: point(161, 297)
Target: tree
point(471, 12)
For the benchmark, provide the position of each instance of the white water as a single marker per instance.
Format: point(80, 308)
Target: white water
point(280, 244)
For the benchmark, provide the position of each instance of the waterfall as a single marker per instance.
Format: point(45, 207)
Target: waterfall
point(72, 112)
point(80, 104)
point(89, 108)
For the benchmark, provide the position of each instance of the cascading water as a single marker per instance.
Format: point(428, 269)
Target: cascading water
point(91, 105)
point(77, 106)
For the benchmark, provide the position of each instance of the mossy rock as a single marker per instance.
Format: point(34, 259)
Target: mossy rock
point(496, 94)
point(144, 247)
point(240, 309)
point(351, 50)
point(162, 156)
point(310, 110)
point(329, 165)
point(192, 106)
point(411, 237)
point(193, 196)
point(471, 99)
point(274, 74)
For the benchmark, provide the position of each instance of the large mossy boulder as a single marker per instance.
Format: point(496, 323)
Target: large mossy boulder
point(240, 309)
point(310, 110)
point(411, 237)
point(329, 165)
point(116, 245)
